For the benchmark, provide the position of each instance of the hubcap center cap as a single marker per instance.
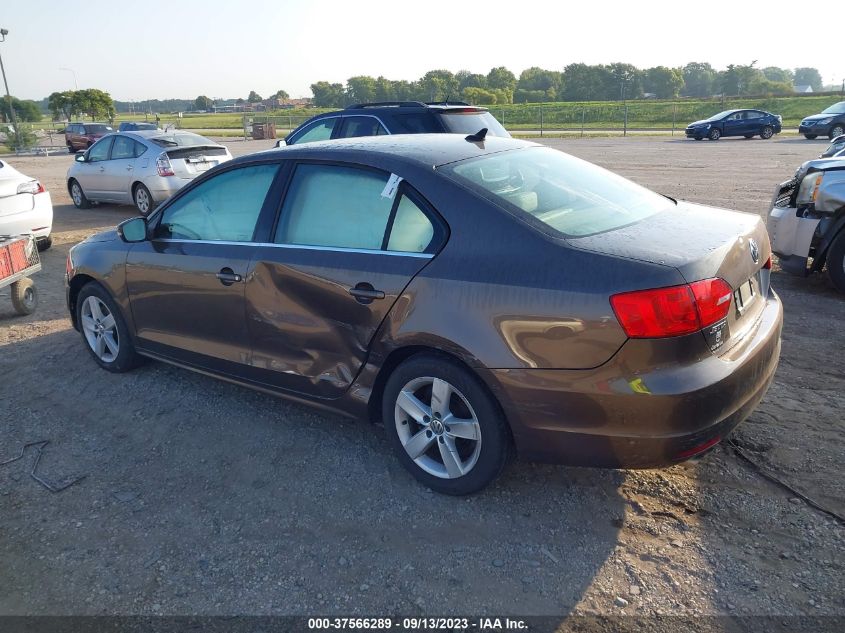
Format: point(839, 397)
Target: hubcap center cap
point(437, 427)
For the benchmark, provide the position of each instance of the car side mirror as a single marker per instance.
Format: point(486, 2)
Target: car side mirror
point(133, 230)
point(80, 156)
point(281, 143)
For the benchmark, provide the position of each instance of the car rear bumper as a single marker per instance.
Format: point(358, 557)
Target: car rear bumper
point(37, 221)
point(162, 187)
point(641, 409)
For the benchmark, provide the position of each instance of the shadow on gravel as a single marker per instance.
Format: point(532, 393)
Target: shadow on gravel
point(202, 497)
point(770, 553)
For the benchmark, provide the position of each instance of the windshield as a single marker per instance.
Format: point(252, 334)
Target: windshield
point(716, 117)
point(568, 195)
point(470, 122)
point(182, 139)
point(97, 129)
point(836, 108)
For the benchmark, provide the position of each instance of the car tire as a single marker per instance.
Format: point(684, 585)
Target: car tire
point(749, 136)
point(143, 199)
point(715, 134)
point(767, 132)
point(836, 130)
point(836, 262)
point(24, 296)
point(698, 138)
point(45, 243)
point(446, 460)
point(80, 201)
point(104, 330)
point(810, 136)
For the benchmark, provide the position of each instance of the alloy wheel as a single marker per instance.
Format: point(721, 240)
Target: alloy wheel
point(100, 329)
point(438, 427)
point(142, 200)
point(76, 194)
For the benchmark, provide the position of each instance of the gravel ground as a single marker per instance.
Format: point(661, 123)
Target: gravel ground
point(200, 497)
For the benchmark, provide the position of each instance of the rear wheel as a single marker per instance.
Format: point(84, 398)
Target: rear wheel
point(444, 425)
point(24, 296)
point(104, 331)
point(836, 130)
point(810, 136)
point(143, 200)
point(45, 243)
point(836, 262)
point(715, 134)
point(78, 196)
point(767, 132)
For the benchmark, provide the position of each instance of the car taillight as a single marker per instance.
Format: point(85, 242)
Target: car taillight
point(33, 187)
point(163, 165)
point(672, 311)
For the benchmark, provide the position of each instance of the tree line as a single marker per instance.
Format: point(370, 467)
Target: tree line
point(577, 82)
point(91, 102)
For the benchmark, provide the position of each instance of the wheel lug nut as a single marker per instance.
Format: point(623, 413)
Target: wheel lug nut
point(447, 429)
point(426, 419)
point(428, 433)
point(441, 439)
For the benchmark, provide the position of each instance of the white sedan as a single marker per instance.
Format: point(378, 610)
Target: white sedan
point(25, 207)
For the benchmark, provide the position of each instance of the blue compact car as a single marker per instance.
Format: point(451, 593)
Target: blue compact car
point(745, 123)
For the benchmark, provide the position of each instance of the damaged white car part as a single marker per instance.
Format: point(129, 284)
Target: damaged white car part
point(807, 220)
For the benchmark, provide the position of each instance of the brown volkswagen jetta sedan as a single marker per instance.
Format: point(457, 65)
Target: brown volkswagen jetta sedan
point(473, 295)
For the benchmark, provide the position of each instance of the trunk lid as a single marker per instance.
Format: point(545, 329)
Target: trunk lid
point(189, 162)
point(701, 243)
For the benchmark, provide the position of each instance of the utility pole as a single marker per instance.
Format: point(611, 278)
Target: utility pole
point(3, 34)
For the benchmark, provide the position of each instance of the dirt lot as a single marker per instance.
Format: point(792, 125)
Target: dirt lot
point(205, 498)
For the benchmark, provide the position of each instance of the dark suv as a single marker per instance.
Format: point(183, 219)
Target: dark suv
point(84, 135)
point(396, 117)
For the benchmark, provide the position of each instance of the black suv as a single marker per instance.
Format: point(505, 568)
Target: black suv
point(396, 117)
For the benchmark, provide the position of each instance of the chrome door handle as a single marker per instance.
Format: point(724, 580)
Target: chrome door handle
point(365, 293)
point(129, 168)
point(102, 169)
point(228, 277)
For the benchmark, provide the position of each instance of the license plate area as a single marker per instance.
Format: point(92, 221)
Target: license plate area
point(201, 164)
point(746, 294)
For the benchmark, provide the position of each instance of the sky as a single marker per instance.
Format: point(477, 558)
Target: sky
point(224, 49)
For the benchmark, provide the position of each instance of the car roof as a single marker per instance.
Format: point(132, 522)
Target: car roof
point(430, 150)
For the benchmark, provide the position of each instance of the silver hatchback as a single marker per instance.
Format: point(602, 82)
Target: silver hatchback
point(142, 168)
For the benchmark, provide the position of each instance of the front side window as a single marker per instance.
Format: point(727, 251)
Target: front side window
point(317, 131)
point(223, 208)
point(100, 150)
point(124, 147)
point(569, 196)
point(328, 205)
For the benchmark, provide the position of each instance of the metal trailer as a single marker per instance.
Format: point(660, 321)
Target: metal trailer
point(18, 261)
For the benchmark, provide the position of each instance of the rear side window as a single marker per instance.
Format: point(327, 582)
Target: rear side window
point(563, 194)
point(354, 126)
point(471, 121)
point(124, 147)
point(414, 123)
point(318, 131)
point(412, 230)
point(328, 205)
point(223, 208)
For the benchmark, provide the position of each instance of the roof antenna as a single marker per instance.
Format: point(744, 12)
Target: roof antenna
point(478, 136)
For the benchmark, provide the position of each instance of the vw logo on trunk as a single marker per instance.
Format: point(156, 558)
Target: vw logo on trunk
point(755, 251)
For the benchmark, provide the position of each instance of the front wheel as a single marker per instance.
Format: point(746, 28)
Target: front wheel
point(836, 262)
point(143, 200)
point(78, 196)
point(767, 132)
point(749, 136)
point(810, 136)
point(444, 425)
point(836, 130)
point(104, 331)
point(715, 134)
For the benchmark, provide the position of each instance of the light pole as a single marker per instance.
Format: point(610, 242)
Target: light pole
point(3, 34)
point(75, 83)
